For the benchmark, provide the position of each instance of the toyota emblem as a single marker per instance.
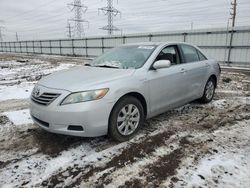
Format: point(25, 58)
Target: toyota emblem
point(36, 92)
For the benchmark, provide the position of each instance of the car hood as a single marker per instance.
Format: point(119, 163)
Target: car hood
point(83, 78)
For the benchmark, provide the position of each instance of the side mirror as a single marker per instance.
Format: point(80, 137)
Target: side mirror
point(161, 64)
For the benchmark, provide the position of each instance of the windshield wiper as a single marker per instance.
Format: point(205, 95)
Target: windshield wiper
point(107, 66)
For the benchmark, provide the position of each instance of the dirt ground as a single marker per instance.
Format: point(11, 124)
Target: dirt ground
point(195, 145)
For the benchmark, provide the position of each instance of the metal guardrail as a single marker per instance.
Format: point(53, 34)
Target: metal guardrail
point(236, 69)
point(232, 44)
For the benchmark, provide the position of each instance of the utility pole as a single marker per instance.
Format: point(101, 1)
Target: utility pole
point(233, 17)
point(110, 11)
point(233, 14)
point(69, 27)
point(16, 36)
point(79, 10)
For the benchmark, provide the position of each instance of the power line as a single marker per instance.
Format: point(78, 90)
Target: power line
point(32, 10)
point(50, 18)
point(79, 9)
point(145, 16)
point(41, 17)
point(110, 11)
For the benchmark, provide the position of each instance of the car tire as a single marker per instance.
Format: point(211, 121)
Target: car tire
point(209, 91)
point(126, 119)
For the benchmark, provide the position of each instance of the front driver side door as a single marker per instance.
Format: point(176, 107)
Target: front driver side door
point(167, 85)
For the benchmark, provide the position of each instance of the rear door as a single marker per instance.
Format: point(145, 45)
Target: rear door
point(195, 66)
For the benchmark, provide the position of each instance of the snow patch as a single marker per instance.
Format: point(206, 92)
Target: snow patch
point(229, 170)
point(220, 104)
point(19, 117)
point(21, 91)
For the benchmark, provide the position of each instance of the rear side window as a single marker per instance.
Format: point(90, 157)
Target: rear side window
point(190, 53)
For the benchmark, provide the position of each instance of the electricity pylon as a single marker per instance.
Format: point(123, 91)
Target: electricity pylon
point(79, 10)
point(110, 11)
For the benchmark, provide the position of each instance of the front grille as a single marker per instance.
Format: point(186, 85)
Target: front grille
point(45, 99)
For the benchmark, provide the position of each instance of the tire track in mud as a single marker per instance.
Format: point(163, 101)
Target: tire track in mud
point(35, 141)
point(148, 146)
point(26, 141)
point(155, 171)
point(42, 142)
point(6, 163)
point(131, 154)
point(145, 147)
point(166, 166)
point(13, 105)
point(192, 148)
point(40, 161)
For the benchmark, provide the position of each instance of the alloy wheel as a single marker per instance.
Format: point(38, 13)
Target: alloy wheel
point(128, 119)
point(209, 90)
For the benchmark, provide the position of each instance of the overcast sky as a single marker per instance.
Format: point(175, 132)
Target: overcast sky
point(47, 19)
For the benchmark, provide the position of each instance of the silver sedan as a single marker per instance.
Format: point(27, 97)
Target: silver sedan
point(123, 87)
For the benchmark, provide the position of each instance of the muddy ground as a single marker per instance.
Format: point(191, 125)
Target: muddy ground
point(195, 145)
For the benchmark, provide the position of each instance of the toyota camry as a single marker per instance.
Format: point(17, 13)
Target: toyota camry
point(116, 92)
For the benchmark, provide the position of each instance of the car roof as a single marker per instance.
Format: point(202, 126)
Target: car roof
point(155, 43)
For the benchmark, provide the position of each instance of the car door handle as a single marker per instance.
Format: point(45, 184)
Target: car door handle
point(183, 70)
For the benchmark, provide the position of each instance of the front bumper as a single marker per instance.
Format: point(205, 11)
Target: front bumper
point(92, 116)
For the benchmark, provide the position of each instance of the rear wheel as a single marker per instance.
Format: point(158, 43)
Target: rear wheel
point(209, 91)
point(126, 118)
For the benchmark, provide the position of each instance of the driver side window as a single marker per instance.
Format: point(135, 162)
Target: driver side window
point(169, 53)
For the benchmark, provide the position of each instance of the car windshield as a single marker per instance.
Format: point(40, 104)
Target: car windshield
point(125, 57)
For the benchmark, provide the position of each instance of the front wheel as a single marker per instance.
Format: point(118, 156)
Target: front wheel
point(126, 118)
point(209, 91)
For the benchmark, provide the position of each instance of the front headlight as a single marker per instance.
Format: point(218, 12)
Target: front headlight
point(84, 96)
